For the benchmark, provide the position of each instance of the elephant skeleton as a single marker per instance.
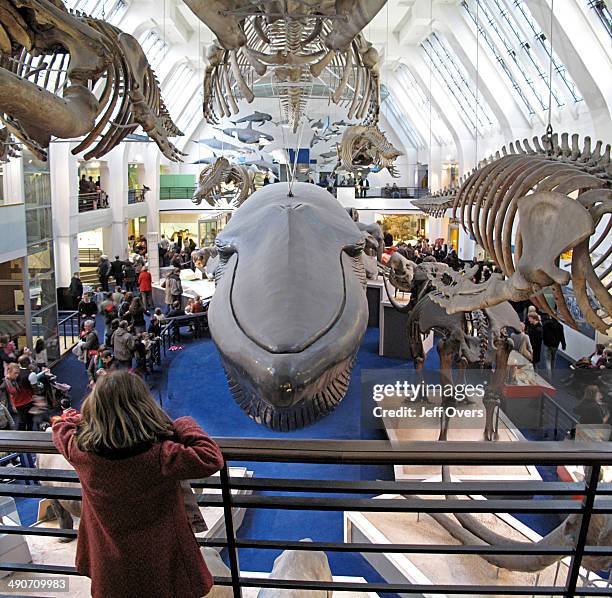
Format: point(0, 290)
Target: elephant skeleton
point(291, 43)
point(66, 75)
point(363, 146)
point(563, 199)
point(223, 180)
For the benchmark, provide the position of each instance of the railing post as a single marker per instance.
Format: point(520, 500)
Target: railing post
point(230, 534)
point(587, 508)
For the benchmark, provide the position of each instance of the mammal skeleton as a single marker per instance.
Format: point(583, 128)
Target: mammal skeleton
point(66, 75)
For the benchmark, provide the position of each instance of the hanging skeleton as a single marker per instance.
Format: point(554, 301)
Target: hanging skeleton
point(437, 203)
point(365, 146)
point(290, 43)
point(563, 199)
point(232, 183)
point(66, 75)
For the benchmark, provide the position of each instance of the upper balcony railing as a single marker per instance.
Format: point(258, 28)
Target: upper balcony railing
point(88, 202)
point(136, 196)
point(176, 192)
point(400, 192)
point(585, 500)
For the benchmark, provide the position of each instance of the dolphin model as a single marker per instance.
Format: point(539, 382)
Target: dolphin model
point(247, 134)
point(257, 117)
point(320, 125)
point(290, 308)
point(220, 145)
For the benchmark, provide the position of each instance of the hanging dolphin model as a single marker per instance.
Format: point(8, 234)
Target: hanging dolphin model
point(290, 308)
point(257, 117)
point(247, 134)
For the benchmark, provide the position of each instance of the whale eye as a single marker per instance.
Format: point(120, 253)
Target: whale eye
point(355, 250)
point(225, 251)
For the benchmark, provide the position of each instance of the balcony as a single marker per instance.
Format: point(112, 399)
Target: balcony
point(136, 196)
point(176, 192)
point(389, 506)
point(90, 202)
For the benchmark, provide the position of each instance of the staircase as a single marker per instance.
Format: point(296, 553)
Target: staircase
point(89, 256)
point(89, 276)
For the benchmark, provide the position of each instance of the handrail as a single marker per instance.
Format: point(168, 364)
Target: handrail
point(96, 200)
point(313, 495)
point(67, 330)
point(176, 192)
point(364, 452)
point(373, 452)
point(136, 196)
point(173, 324)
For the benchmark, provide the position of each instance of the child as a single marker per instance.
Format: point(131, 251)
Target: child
point(40, 354)
point(98, 297)
point(67, 409)
point(124, 447)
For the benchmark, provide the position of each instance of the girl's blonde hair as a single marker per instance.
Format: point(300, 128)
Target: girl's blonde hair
point(120, 413)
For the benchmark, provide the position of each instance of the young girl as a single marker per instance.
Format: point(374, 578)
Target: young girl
point(135, 538)
point(40, 353)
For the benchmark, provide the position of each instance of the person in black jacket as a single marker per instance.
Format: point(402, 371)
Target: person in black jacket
point(87, 308)
point(129, 276)
point(104, 272)
point(592, 409)
point(75, 289)
point(117, 270)
point(533, 328)
point(552, 336)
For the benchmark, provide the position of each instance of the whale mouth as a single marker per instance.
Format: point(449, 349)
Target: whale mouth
point(317, 401)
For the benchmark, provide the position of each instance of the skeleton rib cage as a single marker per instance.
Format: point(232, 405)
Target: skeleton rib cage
point(487, 206)
point(126, 99)
point(291, 54)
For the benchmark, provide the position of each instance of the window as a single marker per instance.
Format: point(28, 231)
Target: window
point(439, 130)
point(193, 109)
point(602, 13)
point(483, 21)
point(537, 49)
point(154, 47)
point(390, 109)
point(108, 10)
point(449, 72)
point(179, 87)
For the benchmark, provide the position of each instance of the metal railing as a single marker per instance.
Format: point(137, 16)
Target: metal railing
point(587, 499)
point(88, 202)
point(136, 196)
point(176, 192)
point(198, 323)
point(89, 256)
point(69, 328)
point(556, 421)
point(404, 192)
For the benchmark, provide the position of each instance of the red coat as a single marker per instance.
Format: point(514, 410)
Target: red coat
point(134, 538)
point(145, 282)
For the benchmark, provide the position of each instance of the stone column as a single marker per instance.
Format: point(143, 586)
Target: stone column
point(64, 192)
